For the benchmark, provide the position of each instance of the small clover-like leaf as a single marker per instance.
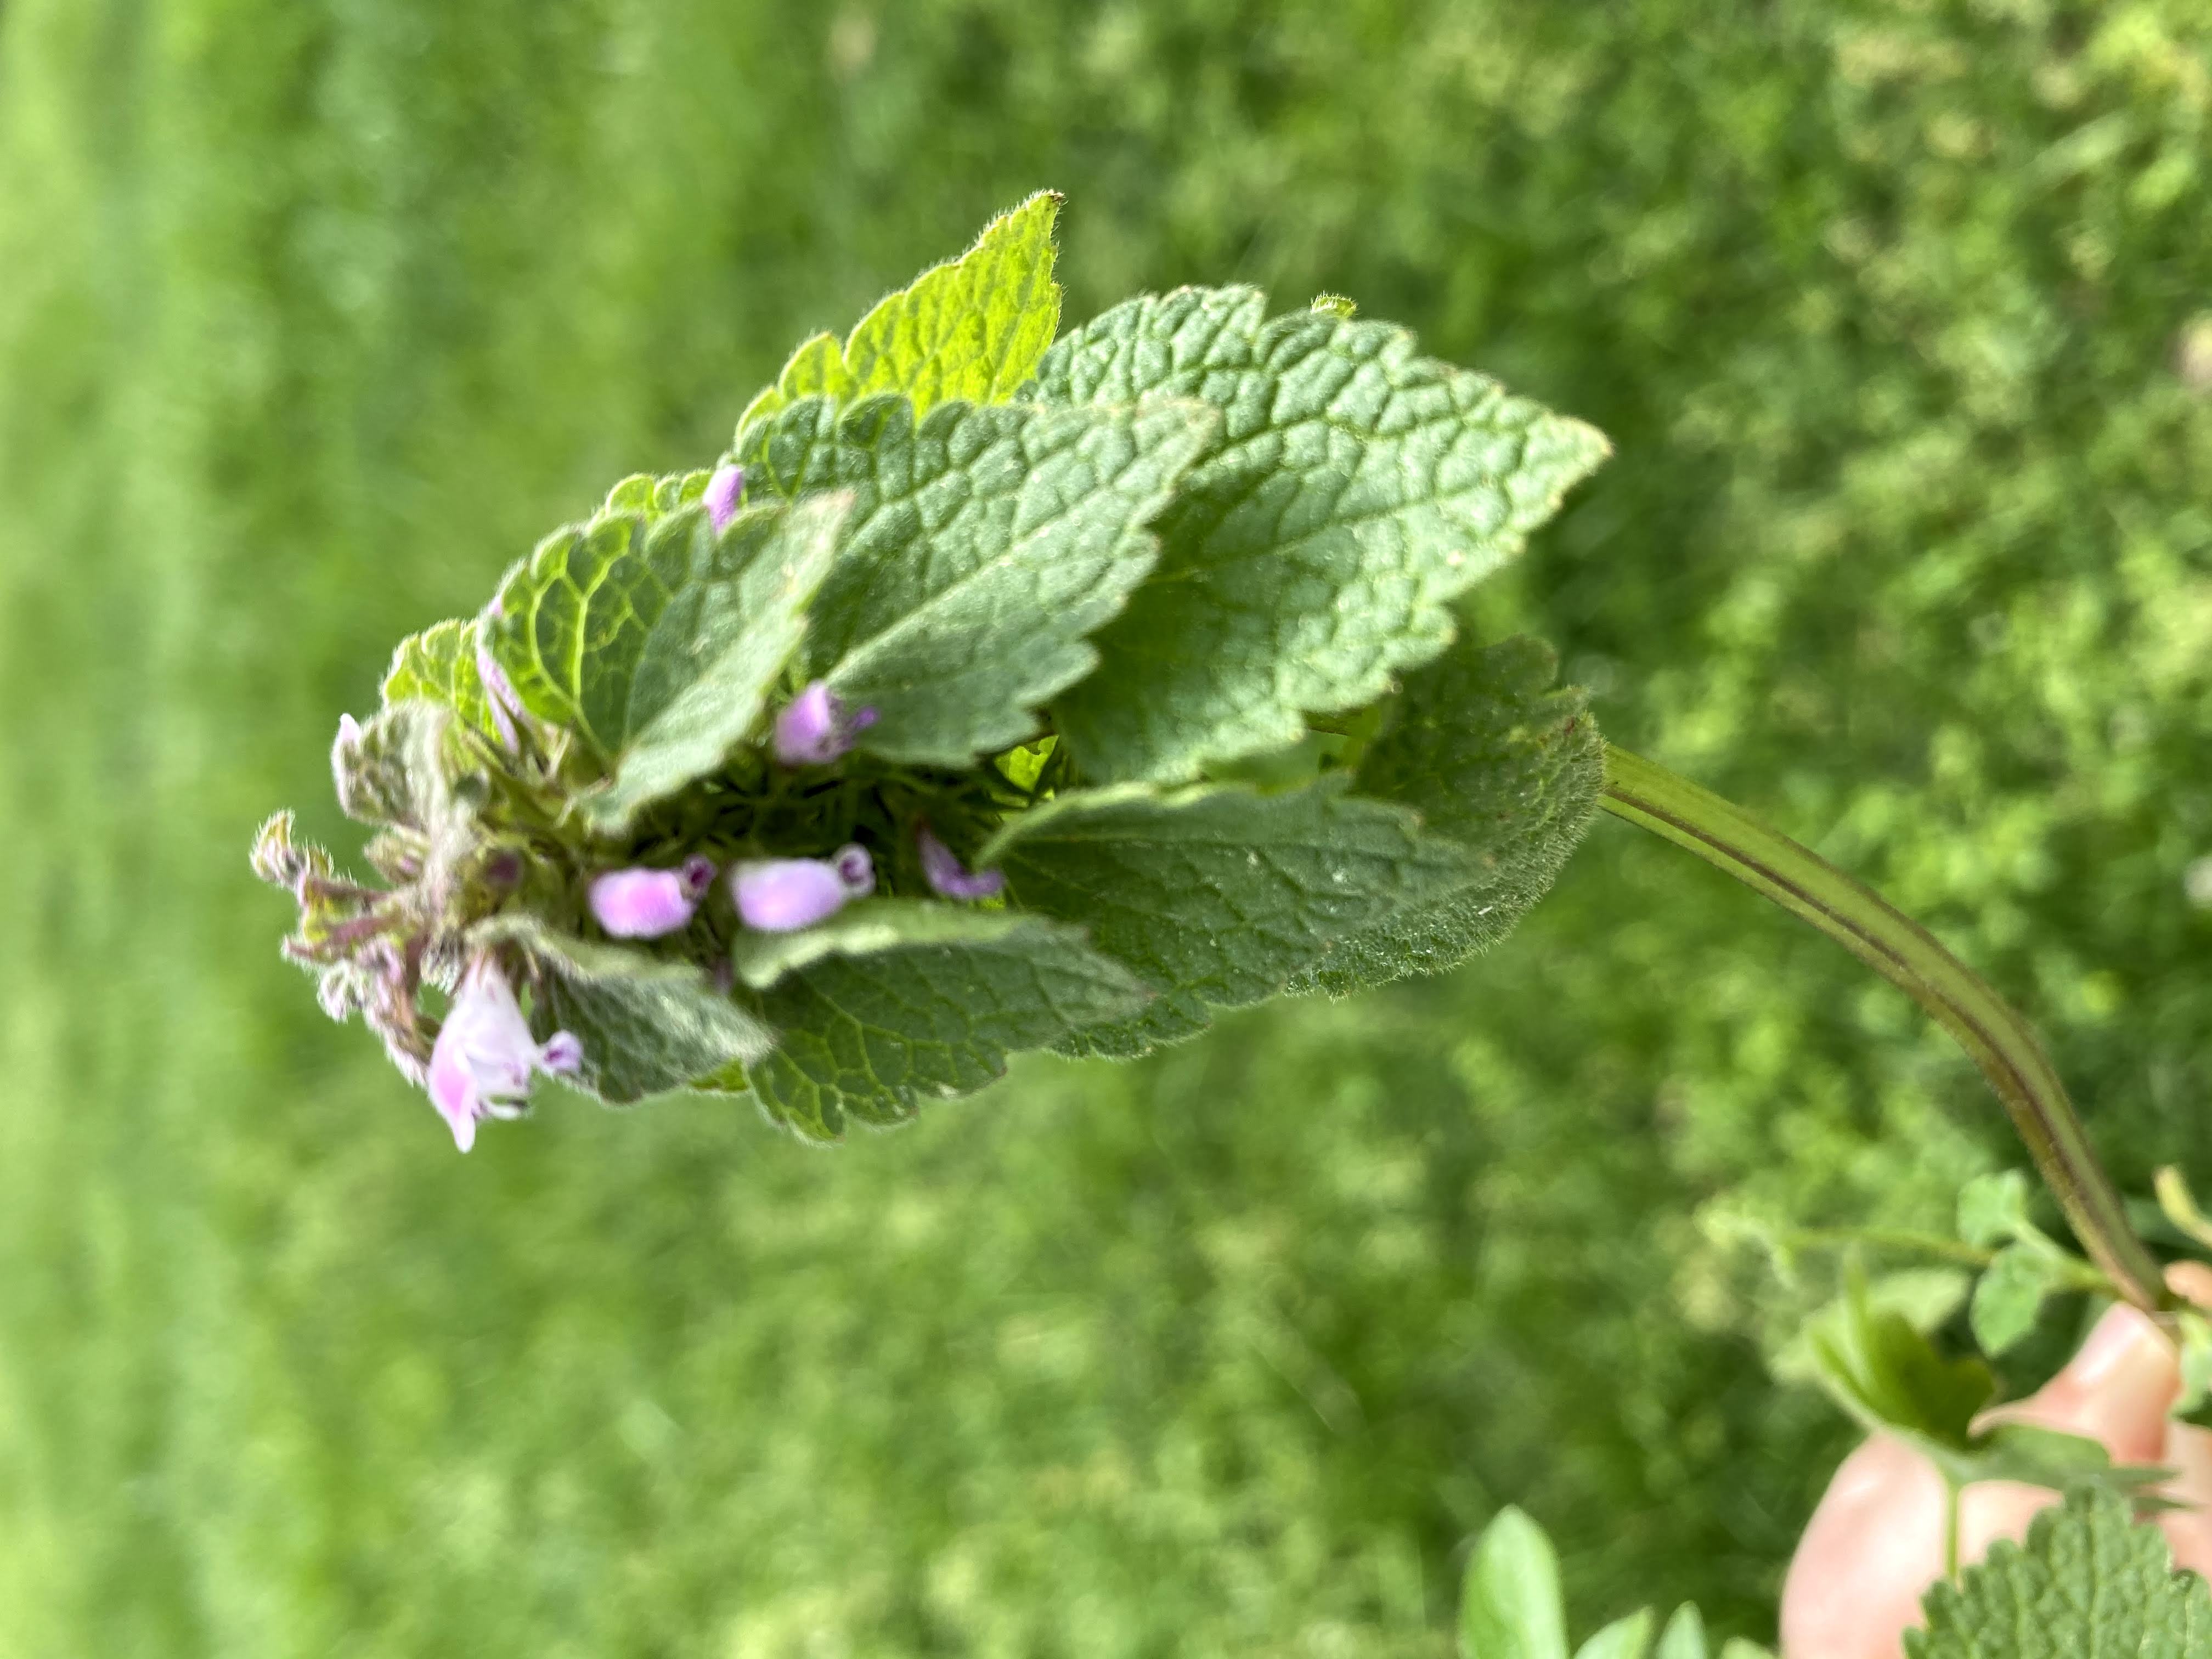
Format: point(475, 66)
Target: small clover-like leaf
point(971, 329)
point(1217, 896)
point(2090, 1584)
point(1993, 1209)
point(893, 1002)
point(986, 544)
point(2009, 1295)
point(1356, 489)
point(648, 1026)
point(1888, 1375)
point(1510, 1605)
point(1500, 763)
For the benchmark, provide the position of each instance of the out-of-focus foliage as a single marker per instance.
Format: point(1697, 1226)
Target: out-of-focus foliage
point(1900, 319)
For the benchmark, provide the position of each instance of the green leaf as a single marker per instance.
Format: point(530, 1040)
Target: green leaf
point(1356, 489)
point(439, 665)
point(1510, 1605)
point(985, 542)
point(892, 1002)
point(657, 642)
point(2196, 1333)
point(1504, 767)
point(2090, 1584)
point(655, 496)
point(1888, 1376)
point(1736, 1647)
point(646, 1025)
point(1624, 1639)
point(1993, 1209)
point(2010, 1295)
point(396, 769)
point(1216, 896)
point(1684, 1636)
point(971, 329)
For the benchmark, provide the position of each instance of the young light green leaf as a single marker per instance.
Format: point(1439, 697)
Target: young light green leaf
point(1357, 489)
point(2195, 1331)
point(657, 641)
point(656, 496)
point(986, 544)
point(1888, 1376)
point(1504, 766)
point(646, 1025)
point(970, 329)
point(1736, 1647)
point(439, 665)
point(1509, 1606)
point(395, 768)
point(2090, 1583)
point(908, 1001)
point(1624, 1639)
point(1216, 896)
point(2036, 1456)
point(2009, 1295)
point(1684, 1636)
point(1993, 1209)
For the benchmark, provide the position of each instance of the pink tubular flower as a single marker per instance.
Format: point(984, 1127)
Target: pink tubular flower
point(645, 904)
point(815, 727)
point(947, 876)
point(485, 1057)
point(780, 895)
point(724, 491)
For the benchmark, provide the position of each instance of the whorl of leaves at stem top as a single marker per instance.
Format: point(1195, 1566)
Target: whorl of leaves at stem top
point(1127, 663)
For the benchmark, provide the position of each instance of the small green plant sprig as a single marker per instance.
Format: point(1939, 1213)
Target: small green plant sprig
point(995, 690)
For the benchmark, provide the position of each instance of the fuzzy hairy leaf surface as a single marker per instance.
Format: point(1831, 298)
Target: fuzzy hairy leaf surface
point(646, 1025)
point(658, 642)
point(2090, 1584)
point(439, 665)
point(1358, 487)
point(1501, 763)
point(893, 1002)
point(986, 544)
point(972, 328)
point(1216, 896)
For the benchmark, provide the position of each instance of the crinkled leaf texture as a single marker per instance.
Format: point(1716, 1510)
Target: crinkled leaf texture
point(439, 665)
point(2090, 1584)
point(1500, 763)
point(894, 1001)
point(1217, 896)
point(970, 329)
point(659, 640)
point(648, 1026)
point(985, 542)
point(1357, 489)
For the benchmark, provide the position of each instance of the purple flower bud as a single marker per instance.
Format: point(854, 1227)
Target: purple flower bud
point(698, 874)
point(724, 490)
point(780, 895)
point(947, 876)
point(485, 1057)
point(646, 904)
point(815, 727)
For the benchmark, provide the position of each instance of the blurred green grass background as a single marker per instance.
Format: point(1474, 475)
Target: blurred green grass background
point(312, 317)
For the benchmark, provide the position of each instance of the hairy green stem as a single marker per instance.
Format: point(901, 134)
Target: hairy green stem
point(1993, 1034)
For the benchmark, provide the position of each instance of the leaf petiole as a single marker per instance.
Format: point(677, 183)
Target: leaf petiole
point(1995, 1035)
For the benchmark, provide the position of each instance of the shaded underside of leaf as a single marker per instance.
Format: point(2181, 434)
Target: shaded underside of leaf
point(985, 542)
point(908, 1002)
point(1357, 487)
point(972, 328)
point(646, 1025)
point(1216, 896)
point(1500, 763)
